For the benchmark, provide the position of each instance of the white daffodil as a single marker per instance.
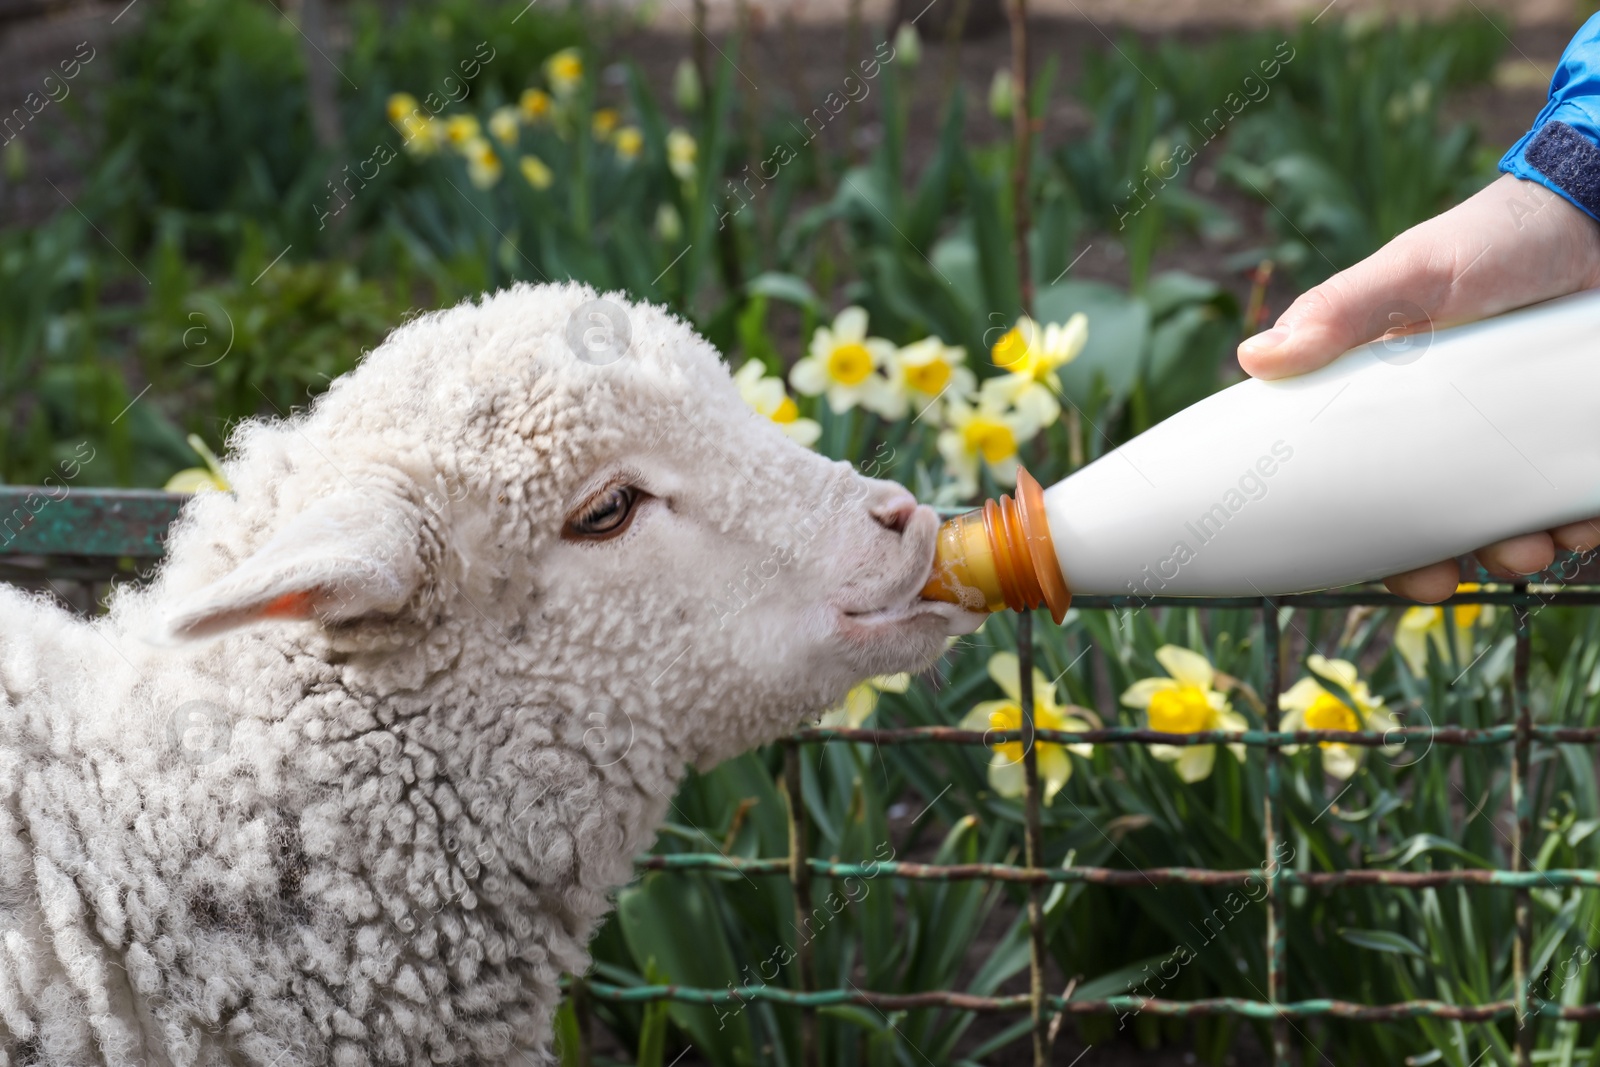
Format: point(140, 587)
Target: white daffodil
point(1185, 703)
point(504, 126)
point(1006, 774)
point(922, 373)
point(859, 704)
point(843, 363)
point(1312, 706)
point(766, 396)
point(1031, 355)
point(985, 435)
point(1420, 625)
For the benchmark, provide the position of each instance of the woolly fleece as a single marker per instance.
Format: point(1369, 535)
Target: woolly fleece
point(352, 779)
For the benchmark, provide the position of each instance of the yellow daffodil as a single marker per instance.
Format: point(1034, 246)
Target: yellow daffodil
point(503, 124)
point(401, 105)
point(843, 362)
point(1312, 706)
point(199, 479)
point(422, 134)
point(604, 123)
point(1006, 774)
point(985, 435)
point(629, 142)
point(1419, 625)
point(1031, 355)
point(1185, 703)
point(859, 704)
point(766, 396)
point(483, 166)
point(535, 105)
point(536, 171)
point(682, 154)
point(460, 131)
point(564, 71)
point(922, 373)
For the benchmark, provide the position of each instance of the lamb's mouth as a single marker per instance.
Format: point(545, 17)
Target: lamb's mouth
point(954, 620)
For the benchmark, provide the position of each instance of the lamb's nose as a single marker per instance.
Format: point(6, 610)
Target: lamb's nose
point(894, 512)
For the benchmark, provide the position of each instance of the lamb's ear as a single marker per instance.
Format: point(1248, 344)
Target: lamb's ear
point(348, 555)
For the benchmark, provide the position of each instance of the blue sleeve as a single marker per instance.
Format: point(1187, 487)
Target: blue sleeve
point(1562, 151)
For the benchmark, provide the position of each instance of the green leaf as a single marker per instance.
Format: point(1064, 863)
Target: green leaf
point(1119, 332)
point(1383, 941)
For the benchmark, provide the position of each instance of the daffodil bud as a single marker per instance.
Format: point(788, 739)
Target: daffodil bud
point(907, 45)
point(669, 224)
point(1002, 95)
point(686, 90)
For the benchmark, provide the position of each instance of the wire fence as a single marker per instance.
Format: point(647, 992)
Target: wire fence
point(106, 533)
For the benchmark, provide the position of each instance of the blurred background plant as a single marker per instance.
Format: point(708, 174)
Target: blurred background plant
point(224, 257)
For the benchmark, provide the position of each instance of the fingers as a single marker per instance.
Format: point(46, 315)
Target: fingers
point(1517, 556)
point(1389, 293)
point(1429, 584)
point(1511, 244)
point(1577, 536)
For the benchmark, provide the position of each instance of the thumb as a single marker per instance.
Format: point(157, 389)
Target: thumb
point(1391, 293)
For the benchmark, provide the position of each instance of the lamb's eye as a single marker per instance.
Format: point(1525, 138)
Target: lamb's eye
point(606, 515)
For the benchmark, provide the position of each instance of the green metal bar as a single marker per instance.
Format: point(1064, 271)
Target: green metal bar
point(1272, 829)
point(1122, 735)
point(799, 871)
point(1250, 1009)
point(1521, 835)
point(1559, 878)
point(62, 521)
point(1033, 842)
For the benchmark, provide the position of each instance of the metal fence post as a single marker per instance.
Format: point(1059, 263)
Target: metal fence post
point(800, 879)
point(1521, 832)
point(1272, 825)
point(1032, 842)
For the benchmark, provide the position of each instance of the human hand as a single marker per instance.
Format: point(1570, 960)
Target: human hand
point(1512, 244)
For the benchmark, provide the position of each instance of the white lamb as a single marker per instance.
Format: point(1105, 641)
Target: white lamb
point(453, 637)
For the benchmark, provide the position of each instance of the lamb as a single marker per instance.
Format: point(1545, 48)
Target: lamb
point(352, 779)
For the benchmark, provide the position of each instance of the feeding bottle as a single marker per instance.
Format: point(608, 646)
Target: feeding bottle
point(1398, 454)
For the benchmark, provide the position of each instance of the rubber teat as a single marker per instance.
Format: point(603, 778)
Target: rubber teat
point(1000, 556)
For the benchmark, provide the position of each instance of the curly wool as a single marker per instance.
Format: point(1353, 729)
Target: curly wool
point(353, 779)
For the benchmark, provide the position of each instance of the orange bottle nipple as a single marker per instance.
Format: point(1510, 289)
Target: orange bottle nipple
point(1000, 556)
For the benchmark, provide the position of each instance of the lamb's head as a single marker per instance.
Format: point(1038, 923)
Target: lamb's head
point(572, 486)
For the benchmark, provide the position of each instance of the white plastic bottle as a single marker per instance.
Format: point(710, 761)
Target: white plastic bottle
point(1400, 453)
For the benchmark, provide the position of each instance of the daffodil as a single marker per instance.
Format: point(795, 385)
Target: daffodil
point(682, 154)
point(1312, 706)
point(199, 479)
point(1419, 625)
point(604, 123)
point(843, 362)
point(564, 71)
point(766, 396)
point(422, 134)
point(400, 105)
point(628, 142)
point(1031, 355)
point(461, 131)
point(1006, 774)
point(535, 105)
point(922, 373)
point(1185, 702)
point(669, 224)
point(503, 124)
point(536, 171)
point(483, 166)
point(859, 704)
point(985, 435)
